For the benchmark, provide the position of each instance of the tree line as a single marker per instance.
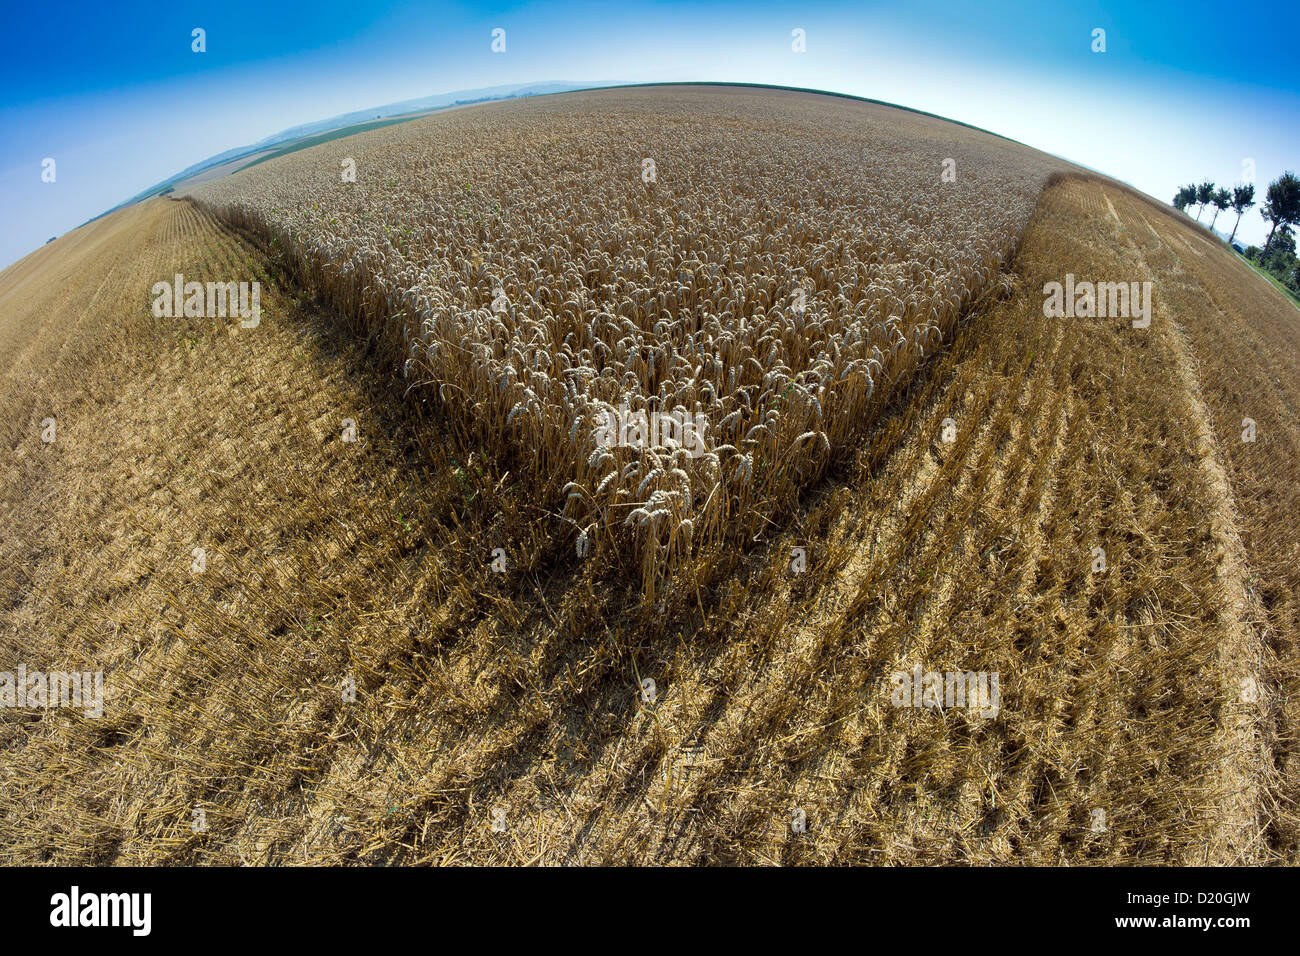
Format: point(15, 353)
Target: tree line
point(1281, 209)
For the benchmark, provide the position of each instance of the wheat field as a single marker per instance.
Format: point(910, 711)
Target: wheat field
point(910, 467)
point(766, 261)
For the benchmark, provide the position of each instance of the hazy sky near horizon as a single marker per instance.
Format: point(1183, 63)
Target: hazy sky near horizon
point(114, 94)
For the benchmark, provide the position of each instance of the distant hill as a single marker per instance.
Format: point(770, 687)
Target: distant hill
point(406, 107)
point(424, 104)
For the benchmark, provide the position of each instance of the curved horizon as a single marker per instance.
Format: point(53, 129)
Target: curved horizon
point(132, 104)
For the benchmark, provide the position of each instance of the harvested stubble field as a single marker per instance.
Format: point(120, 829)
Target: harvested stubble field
point(521, 691)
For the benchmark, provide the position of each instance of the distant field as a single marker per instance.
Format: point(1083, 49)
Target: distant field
point(309, 141)
point(914, 469)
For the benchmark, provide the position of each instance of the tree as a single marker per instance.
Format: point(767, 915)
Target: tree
point(1185, 197)
point(1221, 200)
point(1243, 197)
point(1282, 207)
point(1280, 259)
point(1283, 245)
point(1204, 193)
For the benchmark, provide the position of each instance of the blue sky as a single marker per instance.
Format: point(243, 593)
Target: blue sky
point(113, 92)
